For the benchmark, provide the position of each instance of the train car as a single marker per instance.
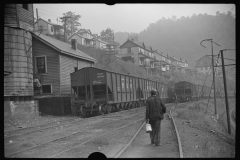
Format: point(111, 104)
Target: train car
point(100, 91)
point(184, 91)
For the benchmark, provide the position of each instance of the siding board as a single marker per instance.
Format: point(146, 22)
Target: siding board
point(52, 76)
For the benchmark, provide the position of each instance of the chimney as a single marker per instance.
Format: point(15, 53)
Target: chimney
point(49, 20)
point(74, 44)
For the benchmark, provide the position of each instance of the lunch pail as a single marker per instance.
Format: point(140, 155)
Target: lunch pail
point(148, 128)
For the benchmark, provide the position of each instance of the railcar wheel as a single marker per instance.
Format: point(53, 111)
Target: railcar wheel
point(109, 108)
point(83, 111)
point(133, 105)
point(101, 109)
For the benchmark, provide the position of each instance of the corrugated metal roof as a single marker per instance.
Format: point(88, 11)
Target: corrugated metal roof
point(63, 47)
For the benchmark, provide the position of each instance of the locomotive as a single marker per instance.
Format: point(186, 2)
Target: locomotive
point(100, 91)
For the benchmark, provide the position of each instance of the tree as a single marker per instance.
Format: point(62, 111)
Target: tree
point(133, 37)
point(107, 35)
point(71, 23)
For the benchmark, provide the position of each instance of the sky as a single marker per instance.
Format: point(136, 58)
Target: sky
point(125, 17)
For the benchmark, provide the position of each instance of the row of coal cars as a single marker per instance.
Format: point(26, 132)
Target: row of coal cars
point(101, 91)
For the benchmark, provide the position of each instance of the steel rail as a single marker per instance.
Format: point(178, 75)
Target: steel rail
point(69, 135)
point(130, 142)
point(96, 137)
point(178, 137)
point(18, 129)
point(75, 120)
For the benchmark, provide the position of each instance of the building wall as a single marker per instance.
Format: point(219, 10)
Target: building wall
point(10, 15)
point(51, 32)
point(67, 66)
point(53, 68)
point(79, 39)
point(44, 27)
point(18, 61)
point(25, 16)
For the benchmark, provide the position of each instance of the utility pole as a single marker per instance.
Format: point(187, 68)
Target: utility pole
point(37, 19)
point(213, 74)
point(225, 90)
point(65, 19)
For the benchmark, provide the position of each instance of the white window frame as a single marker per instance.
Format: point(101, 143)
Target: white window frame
point(36, 70)
point(51, 88)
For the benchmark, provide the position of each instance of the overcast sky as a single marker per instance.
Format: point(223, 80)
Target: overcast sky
point(125, 17)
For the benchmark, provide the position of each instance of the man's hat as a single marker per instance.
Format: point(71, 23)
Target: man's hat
point(153, 91)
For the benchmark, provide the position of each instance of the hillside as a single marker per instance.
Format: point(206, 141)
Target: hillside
point(182, 37)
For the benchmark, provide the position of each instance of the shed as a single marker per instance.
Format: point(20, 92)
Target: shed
point(53, 61)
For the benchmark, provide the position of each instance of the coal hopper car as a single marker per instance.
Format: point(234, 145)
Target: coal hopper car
point(101, 91)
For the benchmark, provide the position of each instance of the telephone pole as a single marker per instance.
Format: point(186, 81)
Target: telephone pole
point(65, 19)
point(37, 19)
point(213, 74)
point(225, 90)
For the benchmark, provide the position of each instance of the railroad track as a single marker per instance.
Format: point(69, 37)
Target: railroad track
point(9, 135)
point(20, 152)
point(118, 155)
point(60, 150)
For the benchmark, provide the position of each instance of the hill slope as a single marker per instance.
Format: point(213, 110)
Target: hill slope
point(182, 37)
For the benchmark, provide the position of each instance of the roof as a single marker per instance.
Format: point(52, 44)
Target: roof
point(63, 47)
point(47, 22)
point(100, 40)
point(94, 38)
point(173, 58)
point(125, 55)
point(83, 30)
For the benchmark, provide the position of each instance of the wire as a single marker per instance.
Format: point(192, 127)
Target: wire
point(225, 32)
point(229, 38)
point(50, 12)
point(222, 24)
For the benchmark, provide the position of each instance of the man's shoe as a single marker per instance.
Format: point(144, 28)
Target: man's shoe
point(158, 144)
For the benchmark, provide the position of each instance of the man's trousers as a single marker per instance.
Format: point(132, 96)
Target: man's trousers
point(155, 135)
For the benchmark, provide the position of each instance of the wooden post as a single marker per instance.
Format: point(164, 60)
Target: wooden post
point(226, 94)
point(37, 19)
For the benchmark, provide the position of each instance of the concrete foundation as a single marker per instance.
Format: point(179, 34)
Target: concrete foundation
point(21, 109)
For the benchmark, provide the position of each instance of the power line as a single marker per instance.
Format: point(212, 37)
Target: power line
point(222, 24)
point(51, 12)
point(229, 38)
point(226, 32)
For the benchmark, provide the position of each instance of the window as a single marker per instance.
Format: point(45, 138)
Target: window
point(51, 28)
point(47, 88)
point(25, 6)
point(41, 64)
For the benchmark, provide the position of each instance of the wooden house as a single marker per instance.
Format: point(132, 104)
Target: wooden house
point(47, 27)
point(141, 55)
point(53, 61)
point(204, 65)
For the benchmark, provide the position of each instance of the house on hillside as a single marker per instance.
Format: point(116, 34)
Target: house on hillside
point(86, 38)
point(139, 54)
point(163, 61)
point(174, 62)
point(182, 65)
point(53, 61)
point(204, 64)
point(47, 27)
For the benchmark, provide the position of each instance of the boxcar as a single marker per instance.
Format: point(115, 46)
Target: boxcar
point(100, 91)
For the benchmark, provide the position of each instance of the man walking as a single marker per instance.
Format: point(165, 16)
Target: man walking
point(175, 98)
point(155, 109)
